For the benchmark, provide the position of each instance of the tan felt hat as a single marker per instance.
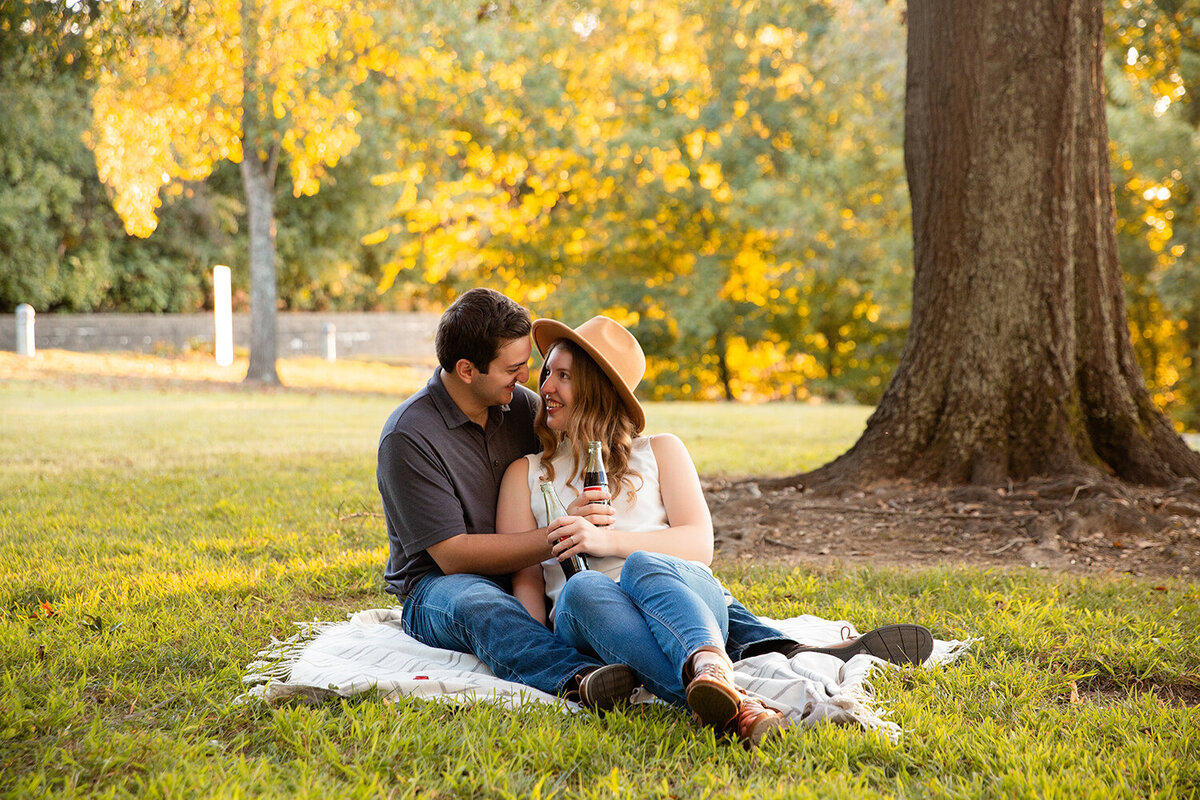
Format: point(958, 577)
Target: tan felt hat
point(613, 347)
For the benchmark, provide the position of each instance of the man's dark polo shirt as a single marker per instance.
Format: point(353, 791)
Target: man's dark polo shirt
point(439, 473)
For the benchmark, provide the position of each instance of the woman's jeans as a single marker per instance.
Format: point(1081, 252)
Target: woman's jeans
point(477, 615)
point(662, 611)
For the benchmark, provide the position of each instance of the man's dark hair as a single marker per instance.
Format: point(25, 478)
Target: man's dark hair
point(476, 325)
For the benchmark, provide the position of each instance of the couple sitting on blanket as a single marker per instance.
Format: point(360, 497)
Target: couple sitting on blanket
point(474, 558)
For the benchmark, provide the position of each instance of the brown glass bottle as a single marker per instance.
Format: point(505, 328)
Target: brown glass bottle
point(554, 510)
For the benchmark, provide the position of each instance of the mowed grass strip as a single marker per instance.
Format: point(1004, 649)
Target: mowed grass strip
point(151, 542)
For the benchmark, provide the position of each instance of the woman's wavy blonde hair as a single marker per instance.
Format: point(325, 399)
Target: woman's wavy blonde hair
point(597, 415)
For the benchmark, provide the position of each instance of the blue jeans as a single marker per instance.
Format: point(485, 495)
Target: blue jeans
point(749, 636)
point(662, 611)
point(477, 615)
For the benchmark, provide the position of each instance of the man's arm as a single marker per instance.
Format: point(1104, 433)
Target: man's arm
point(517, 543)
point(417, 495)
point(490, 553)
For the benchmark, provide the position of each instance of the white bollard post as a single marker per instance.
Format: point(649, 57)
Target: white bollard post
point(25, 343)
point(329, 341)
point(223, 315)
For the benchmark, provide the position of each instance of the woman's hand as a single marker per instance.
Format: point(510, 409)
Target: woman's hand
point(593, 506)
point(571, 535)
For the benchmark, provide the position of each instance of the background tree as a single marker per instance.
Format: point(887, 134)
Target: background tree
point(724, 176)
point(254, 82)
point(1154, 80)
point(1018, 361)
point(721, 176)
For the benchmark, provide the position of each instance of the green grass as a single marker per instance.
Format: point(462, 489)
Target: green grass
point(772, 439)
point(152, 542)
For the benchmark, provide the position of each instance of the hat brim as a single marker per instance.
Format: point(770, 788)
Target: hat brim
point(548, 331)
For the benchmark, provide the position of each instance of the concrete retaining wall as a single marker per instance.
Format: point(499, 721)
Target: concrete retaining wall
point(401, 336)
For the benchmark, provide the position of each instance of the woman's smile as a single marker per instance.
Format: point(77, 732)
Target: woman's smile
point(556, 387)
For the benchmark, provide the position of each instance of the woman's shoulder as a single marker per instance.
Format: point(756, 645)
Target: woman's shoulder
point(662, 441)
point(522, 465)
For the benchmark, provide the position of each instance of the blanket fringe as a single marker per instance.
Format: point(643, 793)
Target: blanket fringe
point(276, 660)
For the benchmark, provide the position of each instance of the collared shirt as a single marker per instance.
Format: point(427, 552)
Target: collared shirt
point(439, 473)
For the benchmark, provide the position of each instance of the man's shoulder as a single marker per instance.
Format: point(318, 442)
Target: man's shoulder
point(413, 414)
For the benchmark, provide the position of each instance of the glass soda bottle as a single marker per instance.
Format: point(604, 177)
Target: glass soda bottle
point(554, 510)
point(594, 476)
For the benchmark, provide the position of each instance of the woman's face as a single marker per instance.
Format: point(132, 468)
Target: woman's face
point(557, 395)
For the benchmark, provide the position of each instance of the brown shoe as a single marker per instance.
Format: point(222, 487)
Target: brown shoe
point(899, 644)
point(755, 722)
point(713, 696)
point(603, 687)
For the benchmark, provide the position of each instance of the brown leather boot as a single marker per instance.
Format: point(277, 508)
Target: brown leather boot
point(755, 722)
point(713, 696)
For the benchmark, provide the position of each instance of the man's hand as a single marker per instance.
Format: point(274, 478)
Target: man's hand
point(592, 506)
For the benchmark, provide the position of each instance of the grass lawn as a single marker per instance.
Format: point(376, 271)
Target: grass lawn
point(153, 540)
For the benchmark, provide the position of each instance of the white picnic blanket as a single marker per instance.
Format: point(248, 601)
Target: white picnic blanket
point(370, 651)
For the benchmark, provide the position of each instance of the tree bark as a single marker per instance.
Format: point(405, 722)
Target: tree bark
point(258, 179)
point(1018, 361)
point(259, 161)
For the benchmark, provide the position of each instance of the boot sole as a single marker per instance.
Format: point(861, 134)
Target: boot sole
point(712, 704)
point(899, 644)
point(607, 686)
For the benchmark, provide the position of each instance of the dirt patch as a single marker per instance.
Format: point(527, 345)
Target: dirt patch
point(1062, 526)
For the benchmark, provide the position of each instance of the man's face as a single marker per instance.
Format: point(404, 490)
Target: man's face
point(508, 368)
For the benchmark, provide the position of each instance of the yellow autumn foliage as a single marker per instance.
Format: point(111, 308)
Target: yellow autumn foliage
point(172, 107)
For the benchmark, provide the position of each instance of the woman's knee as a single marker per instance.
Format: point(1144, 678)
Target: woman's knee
point(643, 563)
point(584, 587)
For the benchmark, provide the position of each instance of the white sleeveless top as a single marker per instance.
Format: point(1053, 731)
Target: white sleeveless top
point(638, 511)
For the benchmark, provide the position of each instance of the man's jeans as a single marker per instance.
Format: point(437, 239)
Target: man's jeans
point(750, 636)
point(477, 615)
point(663, 610)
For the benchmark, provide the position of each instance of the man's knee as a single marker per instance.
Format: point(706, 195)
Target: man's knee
point(469, 596)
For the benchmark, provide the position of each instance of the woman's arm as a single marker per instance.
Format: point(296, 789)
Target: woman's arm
point(689, 535)
point(529, 587)
point(513, 511)
point(514, 514)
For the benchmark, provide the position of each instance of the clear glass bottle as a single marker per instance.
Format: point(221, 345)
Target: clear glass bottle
point(554, 510)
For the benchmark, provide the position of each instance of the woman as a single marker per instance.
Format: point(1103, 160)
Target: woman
point(649, 599)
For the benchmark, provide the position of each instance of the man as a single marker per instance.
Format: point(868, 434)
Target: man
point(441, 457)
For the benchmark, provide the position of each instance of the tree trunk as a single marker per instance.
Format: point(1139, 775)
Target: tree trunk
point(1018, 361)
point(723, 373)
point(258, 178)
point(259, 161)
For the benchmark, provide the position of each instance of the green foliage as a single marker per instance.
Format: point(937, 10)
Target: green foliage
point(61, 245)
point(54, 249)
point(1154, 116)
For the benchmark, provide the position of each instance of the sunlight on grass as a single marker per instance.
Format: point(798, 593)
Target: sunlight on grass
point(75, 369)
point(734, 440)
point(147, 426)
point(153, 539)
